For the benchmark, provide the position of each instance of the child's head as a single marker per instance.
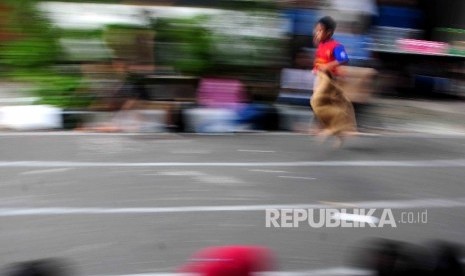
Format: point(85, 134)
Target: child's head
point(324, 29)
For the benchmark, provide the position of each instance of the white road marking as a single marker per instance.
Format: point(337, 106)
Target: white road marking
point(444, 163)
point(46, 171)
point(259, 151)
point(175, 173)
point(393, 204)
point(338, 204)
point(191, 151)
point(297, 177)
point(213, 179)
point(267, 171)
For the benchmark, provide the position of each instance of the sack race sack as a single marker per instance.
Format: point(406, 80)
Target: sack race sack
point(332, 108)
point(358, 83)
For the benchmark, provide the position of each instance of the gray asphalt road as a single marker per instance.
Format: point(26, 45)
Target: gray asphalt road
point(124, 204)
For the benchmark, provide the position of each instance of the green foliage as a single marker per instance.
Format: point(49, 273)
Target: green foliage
point(208, 43)
point(81, 33)
point(247, 5)
point(36, 43)
point(63, 91)
point(29, 52)
point(35, 49)
point(184, 44)
point(66, 91)
point(85, 1)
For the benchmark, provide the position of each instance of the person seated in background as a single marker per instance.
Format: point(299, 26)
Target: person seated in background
point(125, 95)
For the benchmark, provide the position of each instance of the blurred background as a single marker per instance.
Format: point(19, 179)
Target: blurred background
point(247, 61)
point(142, 204)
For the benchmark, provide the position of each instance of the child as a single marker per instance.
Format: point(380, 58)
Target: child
point(330, 54)
point(333, 110)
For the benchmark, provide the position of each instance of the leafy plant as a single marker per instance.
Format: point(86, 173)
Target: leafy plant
point(33, 50)
point(184, 44)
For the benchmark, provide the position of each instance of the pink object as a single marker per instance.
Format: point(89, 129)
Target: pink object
point(422, 46)
point(220, 93)
point(234, 260)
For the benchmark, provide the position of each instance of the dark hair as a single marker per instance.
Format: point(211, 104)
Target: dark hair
point(328, 22)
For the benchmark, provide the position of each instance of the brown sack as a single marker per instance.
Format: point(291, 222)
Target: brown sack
point(331, 106)
point(357, 83)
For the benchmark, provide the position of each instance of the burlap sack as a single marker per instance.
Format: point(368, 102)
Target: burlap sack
point(332, 108)
point(357, 83)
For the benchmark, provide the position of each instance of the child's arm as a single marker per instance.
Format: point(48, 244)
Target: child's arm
point(328, 67)
point(340, 56)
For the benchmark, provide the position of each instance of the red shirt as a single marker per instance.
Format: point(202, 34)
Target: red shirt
point(329, 51)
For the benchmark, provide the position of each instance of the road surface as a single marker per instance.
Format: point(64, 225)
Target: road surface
point(142, 204)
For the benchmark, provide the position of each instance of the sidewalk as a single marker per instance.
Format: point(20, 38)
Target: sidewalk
point(385, 115)
point(421, 116)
